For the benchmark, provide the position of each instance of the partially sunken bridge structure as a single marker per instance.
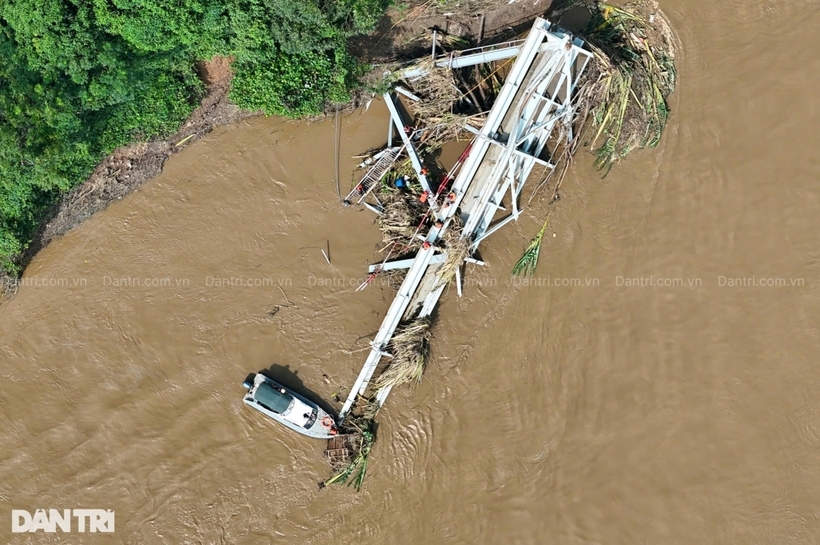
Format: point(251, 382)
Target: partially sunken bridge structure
point(519, 133)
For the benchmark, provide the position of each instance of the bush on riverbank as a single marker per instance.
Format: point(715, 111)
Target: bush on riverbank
point(83, 77)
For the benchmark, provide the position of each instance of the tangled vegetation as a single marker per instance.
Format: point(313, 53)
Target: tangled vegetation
point(458, 249)
point(352, 471)
point(631, 78)
point(83, 77)
point(401, 210)
point(410, 349)
point(454, 103)
point(351, 450)
point(623, 92)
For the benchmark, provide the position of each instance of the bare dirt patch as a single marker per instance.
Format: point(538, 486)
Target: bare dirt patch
point(216, 70)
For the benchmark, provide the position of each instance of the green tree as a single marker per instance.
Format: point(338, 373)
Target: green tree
point(79, 78)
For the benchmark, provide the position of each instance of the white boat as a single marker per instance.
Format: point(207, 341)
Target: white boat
point(287, 407)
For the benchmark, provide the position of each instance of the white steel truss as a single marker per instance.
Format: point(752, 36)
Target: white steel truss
point(536, 97)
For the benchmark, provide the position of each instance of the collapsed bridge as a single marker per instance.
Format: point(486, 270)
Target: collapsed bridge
point(529, 121)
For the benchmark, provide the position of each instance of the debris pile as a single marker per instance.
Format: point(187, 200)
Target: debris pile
point(630, 79)
point(410, 349)
point(624, 92)
point(399, 220)
point(458, 249)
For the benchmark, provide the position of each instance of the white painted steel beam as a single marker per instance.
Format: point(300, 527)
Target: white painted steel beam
point(479, 58)
point(402, 264)
point(539, 115)
point(402, 91)
point(411, 150)
point(462, 59)
point(388, 327)
point(506, 166)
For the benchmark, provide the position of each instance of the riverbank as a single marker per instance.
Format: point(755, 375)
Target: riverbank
point(124, 170)
point(403, 33)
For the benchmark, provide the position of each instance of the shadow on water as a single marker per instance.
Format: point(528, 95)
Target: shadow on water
point(290, 379)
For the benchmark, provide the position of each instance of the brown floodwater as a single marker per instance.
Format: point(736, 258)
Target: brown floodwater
point(654, 399)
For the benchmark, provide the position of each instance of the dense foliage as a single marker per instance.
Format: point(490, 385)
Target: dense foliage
point(79, 78)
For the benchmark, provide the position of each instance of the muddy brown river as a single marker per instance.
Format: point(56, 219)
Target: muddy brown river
point(656, 381)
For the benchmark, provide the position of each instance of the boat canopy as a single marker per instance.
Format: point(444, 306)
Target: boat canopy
point(272, 398)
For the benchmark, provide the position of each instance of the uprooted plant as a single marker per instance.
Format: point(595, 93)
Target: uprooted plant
point(631, 76)
point(399, 221)
point(623, 93)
